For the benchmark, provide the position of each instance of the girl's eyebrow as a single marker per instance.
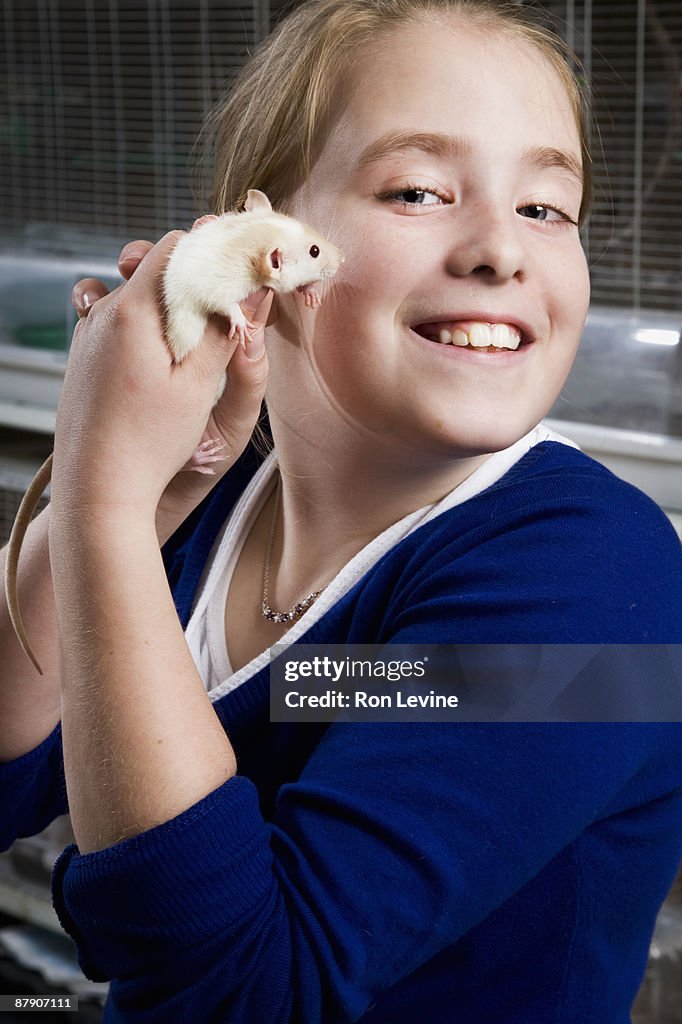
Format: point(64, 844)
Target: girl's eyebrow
point(443, 144)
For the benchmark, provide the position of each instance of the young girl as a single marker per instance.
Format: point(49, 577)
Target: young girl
point(232, 869)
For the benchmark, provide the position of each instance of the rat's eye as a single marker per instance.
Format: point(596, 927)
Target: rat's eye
point(314, 251)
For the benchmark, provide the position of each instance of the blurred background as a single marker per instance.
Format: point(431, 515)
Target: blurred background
point(100, 105)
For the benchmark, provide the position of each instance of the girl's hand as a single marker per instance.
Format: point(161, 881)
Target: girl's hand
point(129, 419)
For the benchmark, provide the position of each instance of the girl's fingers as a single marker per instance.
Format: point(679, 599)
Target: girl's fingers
point(150, 268)
point(257, 307)
point(87, 291)
point(204, 220)
point(133, 253)
point(237, 410)
point(131, 256)
point(85, 294)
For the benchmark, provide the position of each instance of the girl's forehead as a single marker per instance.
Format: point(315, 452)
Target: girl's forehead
point(451, 75)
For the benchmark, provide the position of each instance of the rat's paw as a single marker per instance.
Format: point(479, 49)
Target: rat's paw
point(205, 454)
point(311, 295)
point(239, 330)
point(238, 322)
point(239, 325)
point(245, 331)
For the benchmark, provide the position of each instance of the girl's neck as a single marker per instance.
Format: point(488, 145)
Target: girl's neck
point(329, 513)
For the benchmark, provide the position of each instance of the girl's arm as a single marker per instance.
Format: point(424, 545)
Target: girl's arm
point(141, 740)
point(394, 843)
point(30, 703)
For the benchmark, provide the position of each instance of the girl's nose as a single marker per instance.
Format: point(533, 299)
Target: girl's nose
point(487, 244)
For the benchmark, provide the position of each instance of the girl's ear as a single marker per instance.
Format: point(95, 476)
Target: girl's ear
point(258, 201)
point(271, 264)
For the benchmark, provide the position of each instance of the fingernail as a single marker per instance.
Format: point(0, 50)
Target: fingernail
point(88, 299)
point(130, 254)
point(203, 220)
point(255, 345)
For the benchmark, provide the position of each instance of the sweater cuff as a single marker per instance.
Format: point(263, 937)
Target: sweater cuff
point(131, 906)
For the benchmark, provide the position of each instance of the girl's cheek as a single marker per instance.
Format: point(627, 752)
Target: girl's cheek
point(389, 257)
point(363, 273)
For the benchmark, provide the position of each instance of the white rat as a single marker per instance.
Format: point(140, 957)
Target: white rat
point(211, 270)
point(216, 266)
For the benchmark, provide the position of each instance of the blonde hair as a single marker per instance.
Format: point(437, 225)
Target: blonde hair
point(266, 133)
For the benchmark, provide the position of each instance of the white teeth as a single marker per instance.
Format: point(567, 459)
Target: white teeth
point(480, 336)
point(505, 337)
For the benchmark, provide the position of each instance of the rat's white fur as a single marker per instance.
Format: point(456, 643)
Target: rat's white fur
point(217, 265)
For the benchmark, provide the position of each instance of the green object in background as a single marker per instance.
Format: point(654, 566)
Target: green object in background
point(50, 336)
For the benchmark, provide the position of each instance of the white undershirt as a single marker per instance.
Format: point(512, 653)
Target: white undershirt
point(205, 632)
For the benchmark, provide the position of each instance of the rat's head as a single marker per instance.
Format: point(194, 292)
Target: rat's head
point(445, 140)
point(298, 256)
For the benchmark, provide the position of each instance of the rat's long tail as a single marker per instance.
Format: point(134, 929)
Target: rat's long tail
point(19, 528)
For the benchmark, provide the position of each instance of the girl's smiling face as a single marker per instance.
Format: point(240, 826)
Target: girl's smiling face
point(451, 181)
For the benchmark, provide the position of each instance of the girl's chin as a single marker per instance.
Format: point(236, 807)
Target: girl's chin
point(449, 436)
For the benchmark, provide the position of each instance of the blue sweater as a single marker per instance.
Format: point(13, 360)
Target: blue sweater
point(452, 873)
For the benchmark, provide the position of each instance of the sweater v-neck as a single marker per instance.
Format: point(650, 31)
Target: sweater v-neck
point(205, 631)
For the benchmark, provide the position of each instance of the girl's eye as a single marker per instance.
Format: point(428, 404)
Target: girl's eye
point(412, 196)
point(541, 212)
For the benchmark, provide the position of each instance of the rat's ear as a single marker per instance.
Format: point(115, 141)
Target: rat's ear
point(271, 264)
point(258, 201)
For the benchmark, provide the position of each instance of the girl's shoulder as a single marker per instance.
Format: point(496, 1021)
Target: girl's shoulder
point(556, 488)
point(558, 550)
